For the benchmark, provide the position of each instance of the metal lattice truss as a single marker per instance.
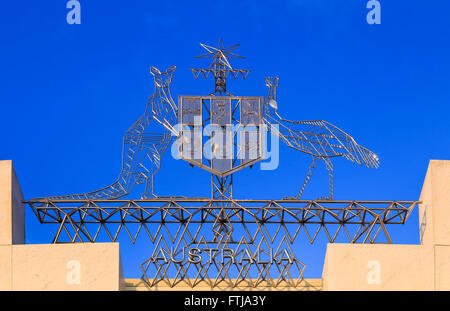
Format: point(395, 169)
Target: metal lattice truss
point(88, 221)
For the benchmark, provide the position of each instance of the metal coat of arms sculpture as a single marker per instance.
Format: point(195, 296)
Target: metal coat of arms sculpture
point(221, 240)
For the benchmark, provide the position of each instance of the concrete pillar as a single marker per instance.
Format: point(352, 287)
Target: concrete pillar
point(434, 216)
point(12, 209)
point(12, 221)
point(434, 212)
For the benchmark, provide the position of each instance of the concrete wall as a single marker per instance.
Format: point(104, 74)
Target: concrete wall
point(434, 212)
point(50, 266)
point(401, 267)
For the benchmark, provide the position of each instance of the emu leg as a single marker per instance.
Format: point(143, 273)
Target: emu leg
point(312, 168)
point(330, 169)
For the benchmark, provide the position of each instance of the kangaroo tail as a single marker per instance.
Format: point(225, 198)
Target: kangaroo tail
point(113, 191)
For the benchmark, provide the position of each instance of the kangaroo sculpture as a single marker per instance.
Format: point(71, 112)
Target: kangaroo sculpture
point(318, 138)
point(143, 144)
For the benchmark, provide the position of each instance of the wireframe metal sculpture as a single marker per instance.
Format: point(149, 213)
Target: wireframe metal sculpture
point(318, 138)
point(143, 144)
point(221, 224)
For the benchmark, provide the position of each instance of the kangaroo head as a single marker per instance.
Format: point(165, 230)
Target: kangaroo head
point(272, 81)
point(163, 79)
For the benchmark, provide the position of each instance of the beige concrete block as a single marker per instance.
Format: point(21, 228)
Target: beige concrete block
point(5, 203)
point(442, 267)
point(66, 267)
point(441, 201)
point(12, 209)
point(435, 197)
point(5, 267)
point(378, 267)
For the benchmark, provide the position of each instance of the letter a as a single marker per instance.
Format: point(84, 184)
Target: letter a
point(74, 15)
point(74, 274)
point(374, 16)
point(374, 274)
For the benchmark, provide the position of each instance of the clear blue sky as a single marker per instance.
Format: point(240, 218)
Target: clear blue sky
point(68, 93)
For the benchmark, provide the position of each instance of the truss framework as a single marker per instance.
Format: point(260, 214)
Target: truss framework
point(77, 218)
point(242, 227)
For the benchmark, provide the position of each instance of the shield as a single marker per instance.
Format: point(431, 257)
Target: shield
point(221, 134)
